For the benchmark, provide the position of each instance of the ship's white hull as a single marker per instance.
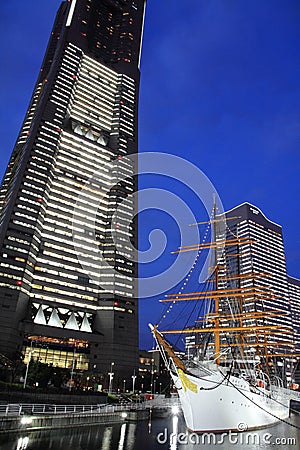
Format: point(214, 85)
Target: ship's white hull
point(211, 404)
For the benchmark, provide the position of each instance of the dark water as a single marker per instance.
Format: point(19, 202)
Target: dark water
point(153, 435)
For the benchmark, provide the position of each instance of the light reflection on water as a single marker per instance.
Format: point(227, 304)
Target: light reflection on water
point(168, 433)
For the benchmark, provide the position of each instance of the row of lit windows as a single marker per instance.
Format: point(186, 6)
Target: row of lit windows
point(60, 87)
point(70, 61)
point(17, 222)
point(78, 114)
point(65, 266)
point(100, 75)
point(58, 358)
point(91, 150)
point(69, 259)
point(59, 210)
point(86, 78)
point(107, 102)
point(264, 248)
point(20, 241)
point(55, 299)
point(73, 156)
point(88, 89)
point(126, 131)
point(61, 191)
point(38, 162)
point(27, 123)
point(126, 79)
point(98, 115)
point(68, 293)
point(66, 71)
point(267, 234)
point(63, 163)
point(267, 261)
point(61, 283)
point(110, 74)
point(57, 202)
point(126, 121)
point(90, 101)
point(45, 163)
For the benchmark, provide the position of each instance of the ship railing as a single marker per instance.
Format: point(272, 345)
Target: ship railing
point(161, 402)
point(14, 409)
point(277, 381)
point(263, 380)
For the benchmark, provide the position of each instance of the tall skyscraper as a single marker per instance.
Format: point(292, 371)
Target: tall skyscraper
point(294, 296)
point(81, 119)
point(264, 255)
point(258, 268)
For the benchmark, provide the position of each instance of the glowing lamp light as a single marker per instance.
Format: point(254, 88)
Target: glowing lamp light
point(26, 420)
point(175, 410)
point(116, 303)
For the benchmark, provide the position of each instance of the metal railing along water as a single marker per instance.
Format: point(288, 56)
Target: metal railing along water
point(15, 409)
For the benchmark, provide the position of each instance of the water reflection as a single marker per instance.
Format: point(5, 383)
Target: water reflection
point(174, 434)
point(107, 437)
point(131, 436)
point(22, 443)
point(166, 433)
point(122, 436)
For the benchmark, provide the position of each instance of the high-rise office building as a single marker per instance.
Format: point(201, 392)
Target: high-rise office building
point(81, 119)
point(263, 256)
point(294, 297)
point(258, 266)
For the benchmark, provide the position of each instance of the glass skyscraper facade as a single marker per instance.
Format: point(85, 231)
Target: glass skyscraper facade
point(81, 121)
point(294, 297)
point(253, 268)
point(263, 256)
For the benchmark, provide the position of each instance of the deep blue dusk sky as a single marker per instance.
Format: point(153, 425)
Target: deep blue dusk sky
point(220, 86)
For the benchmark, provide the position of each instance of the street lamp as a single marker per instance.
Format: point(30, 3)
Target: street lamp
point(154, 386)
point(160, 388)
point(152, 375)
point(133, 380)
point(72, 370)
point(124, 385)
point(142, 385)
point(27, 367)
point(111, 376)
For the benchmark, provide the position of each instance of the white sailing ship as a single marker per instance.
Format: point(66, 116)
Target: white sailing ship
point(232, 381)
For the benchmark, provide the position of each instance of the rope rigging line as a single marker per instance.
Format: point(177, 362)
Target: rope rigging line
point(167, 309)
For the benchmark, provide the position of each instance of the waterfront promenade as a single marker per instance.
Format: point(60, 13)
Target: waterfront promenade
point(17, 417)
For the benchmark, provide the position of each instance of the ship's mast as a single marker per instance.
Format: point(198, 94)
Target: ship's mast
point(242, 325)
point(216, 286)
